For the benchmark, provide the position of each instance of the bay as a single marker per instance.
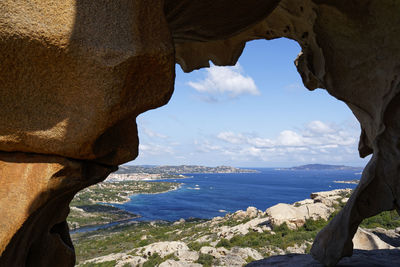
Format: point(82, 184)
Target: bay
point(209, 195)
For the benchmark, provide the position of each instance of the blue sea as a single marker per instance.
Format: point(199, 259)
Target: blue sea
point(209, 195)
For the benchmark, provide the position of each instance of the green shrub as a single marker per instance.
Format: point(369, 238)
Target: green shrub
point(196, 246)
point(205, 259)
point(386, 219)
point(101, 264)
point(224, 243)
point(153, 260)
point(249, 259)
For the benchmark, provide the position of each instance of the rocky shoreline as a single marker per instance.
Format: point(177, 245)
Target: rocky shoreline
point(241, 237)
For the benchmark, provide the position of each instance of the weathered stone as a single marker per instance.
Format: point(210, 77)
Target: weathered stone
point(213, 252)
point(186, 255)
point(242, 229)
point(295, 216)
point(121, 259)
point(173, 263)
point(231, 260)
point(245, 253)
point(128, 260)
point(164, 248)
point(367, 240)
point(77, 73)
point(35, 191)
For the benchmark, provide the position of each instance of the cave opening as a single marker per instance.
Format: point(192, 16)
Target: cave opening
point(254, 114)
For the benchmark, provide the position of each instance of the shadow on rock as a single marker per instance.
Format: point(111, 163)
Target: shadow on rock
point(361, 258)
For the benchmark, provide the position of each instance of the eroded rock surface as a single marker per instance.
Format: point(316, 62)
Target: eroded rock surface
point(75, 74)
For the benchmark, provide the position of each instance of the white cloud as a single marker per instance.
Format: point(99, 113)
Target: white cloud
point(289, 138)
point(319, 127)
point(154, 149)
point(206, 147)
point(231, 137)
point(151, 133)
point(315, 142)
point(225, 81)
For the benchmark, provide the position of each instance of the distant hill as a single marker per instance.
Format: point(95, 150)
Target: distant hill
point(327, 167)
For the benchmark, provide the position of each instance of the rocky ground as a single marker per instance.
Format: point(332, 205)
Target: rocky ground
point(233, 240)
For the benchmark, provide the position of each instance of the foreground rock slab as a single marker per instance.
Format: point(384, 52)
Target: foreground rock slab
point(360, 258)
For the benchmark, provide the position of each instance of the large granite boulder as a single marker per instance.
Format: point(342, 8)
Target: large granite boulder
point(296, 216)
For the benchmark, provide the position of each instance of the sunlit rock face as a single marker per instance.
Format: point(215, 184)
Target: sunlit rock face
point(75, 74)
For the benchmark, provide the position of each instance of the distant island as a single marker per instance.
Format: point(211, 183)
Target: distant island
point(320, 167)
point(355, 181)
point(145, 173)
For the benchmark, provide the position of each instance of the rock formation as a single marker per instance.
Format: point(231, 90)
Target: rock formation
point(75, 74)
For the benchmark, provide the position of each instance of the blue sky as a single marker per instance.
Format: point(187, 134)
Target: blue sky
point(254, 114)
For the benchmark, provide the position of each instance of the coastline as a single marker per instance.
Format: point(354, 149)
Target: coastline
point(94, 206)
point(128, 198)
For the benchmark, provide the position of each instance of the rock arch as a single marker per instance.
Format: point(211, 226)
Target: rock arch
point(75, 74)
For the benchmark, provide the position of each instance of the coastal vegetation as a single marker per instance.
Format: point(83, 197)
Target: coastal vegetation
point(386, 220)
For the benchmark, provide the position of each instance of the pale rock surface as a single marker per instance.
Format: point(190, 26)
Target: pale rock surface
point(204, 238)
point(173, 263)
point(216, 253)
point(252, 225)
point(330, 198)
point(164, 248)
point(366, 240)
point(295, 216)
point(250, 213)
point(239, 215)
point(134, 261)
point(244, 253)
point(121, 259)
point(232, 260)
point(300, 249)
point(186, 255)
